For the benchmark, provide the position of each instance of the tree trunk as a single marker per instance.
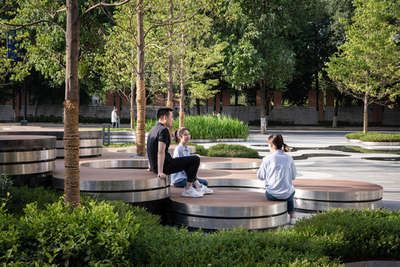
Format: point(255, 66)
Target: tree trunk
point(170, 95)
point(140, 89)
point(365, 123)
point(236, 98)
point(132, 102)
point(182, 98)
point(71, 107)
point(263, 127)
point(317, 92)
point(198, 106)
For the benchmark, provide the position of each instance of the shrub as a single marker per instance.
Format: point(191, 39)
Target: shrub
point(374, 137)
point(112, 233)
point(234, 151)
point(20, 196)
point(212, 127)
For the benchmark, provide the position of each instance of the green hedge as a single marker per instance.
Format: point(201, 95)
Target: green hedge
point(374, 137)
point(111, 233)
point(212, 127)
point(226, 150)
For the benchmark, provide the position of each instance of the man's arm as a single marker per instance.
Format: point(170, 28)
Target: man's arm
point(160, 159)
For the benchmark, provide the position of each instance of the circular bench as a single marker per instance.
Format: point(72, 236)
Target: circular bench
point(319, 195)
point(125, 180)
point(91, 141)
point(27, 159)
point(229, 207)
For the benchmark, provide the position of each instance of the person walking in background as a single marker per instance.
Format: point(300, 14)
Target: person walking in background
point(161, 162)
point(114, 117)
point(278, 171)
point(179, 179)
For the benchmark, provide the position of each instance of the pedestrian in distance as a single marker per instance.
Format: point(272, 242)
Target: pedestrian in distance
point(278, 171)
point(114, 117)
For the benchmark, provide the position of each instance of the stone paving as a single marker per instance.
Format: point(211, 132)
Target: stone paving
point(335, 165)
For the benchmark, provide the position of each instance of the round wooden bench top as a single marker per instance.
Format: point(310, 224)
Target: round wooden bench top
point(337, 190)
point(26, 142)
point(57, 132)
point(227, 209)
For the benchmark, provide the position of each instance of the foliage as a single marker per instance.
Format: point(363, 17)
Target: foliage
point(201, 150)
point(226, 150)
point(234, 151)
point(212, 127)
point(367, 63)
point(114, 233)
point(374, 137)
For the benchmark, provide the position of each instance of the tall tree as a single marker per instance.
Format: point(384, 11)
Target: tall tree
point(367, 64)
point(71, 103)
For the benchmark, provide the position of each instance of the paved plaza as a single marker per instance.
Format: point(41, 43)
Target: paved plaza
point(332, 164)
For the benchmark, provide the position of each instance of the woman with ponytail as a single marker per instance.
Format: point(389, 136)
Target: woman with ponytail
point(278, 171)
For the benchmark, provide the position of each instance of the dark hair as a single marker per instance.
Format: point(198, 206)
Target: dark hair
point(179, 133)
point(277, 140)
point(163, 111)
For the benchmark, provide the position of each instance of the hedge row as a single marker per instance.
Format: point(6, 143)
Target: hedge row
point(116, 234)
point(226, 150)
point(374, 137)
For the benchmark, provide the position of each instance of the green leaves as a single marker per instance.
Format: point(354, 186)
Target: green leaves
point(367, 63)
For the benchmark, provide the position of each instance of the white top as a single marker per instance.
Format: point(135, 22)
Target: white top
point(114, 116)
point(180, 151)
point(278, 171)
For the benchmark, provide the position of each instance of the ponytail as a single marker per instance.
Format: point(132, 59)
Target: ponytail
point(277, 140)
point(286, 148)
point(176, 136)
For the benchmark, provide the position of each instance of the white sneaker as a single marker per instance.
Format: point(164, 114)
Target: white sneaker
point(292, 221)
point(191, 192)
point(204, 189)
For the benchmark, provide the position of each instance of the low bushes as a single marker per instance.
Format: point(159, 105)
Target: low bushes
point(111, 233)
point(374, 137)
point(227, 150)
point(212, 127)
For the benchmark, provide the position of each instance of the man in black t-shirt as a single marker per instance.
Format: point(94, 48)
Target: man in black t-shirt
point(161, 162)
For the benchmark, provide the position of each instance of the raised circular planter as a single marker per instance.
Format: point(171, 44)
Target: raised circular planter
point(91, 142)
point(27, 159)
point(319, 195)
point(124, 180)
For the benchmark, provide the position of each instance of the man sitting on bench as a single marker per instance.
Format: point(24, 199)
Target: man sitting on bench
point(161, 162)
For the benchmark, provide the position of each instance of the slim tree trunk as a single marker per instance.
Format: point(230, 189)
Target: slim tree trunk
point(140, 89)
point(71, 107)
point(170, 95)
point(317, 91)
point(263, 123)
point(236, 98)
point(182, 98)
point(132, 102)
point(335, 112)
point(365, 122)
point(198, 106)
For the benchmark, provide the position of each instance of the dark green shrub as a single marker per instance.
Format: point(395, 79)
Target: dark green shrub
point(374, 137)
point(92, 234)
point(201, 150)
point(20, 196)
point(234, 151)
